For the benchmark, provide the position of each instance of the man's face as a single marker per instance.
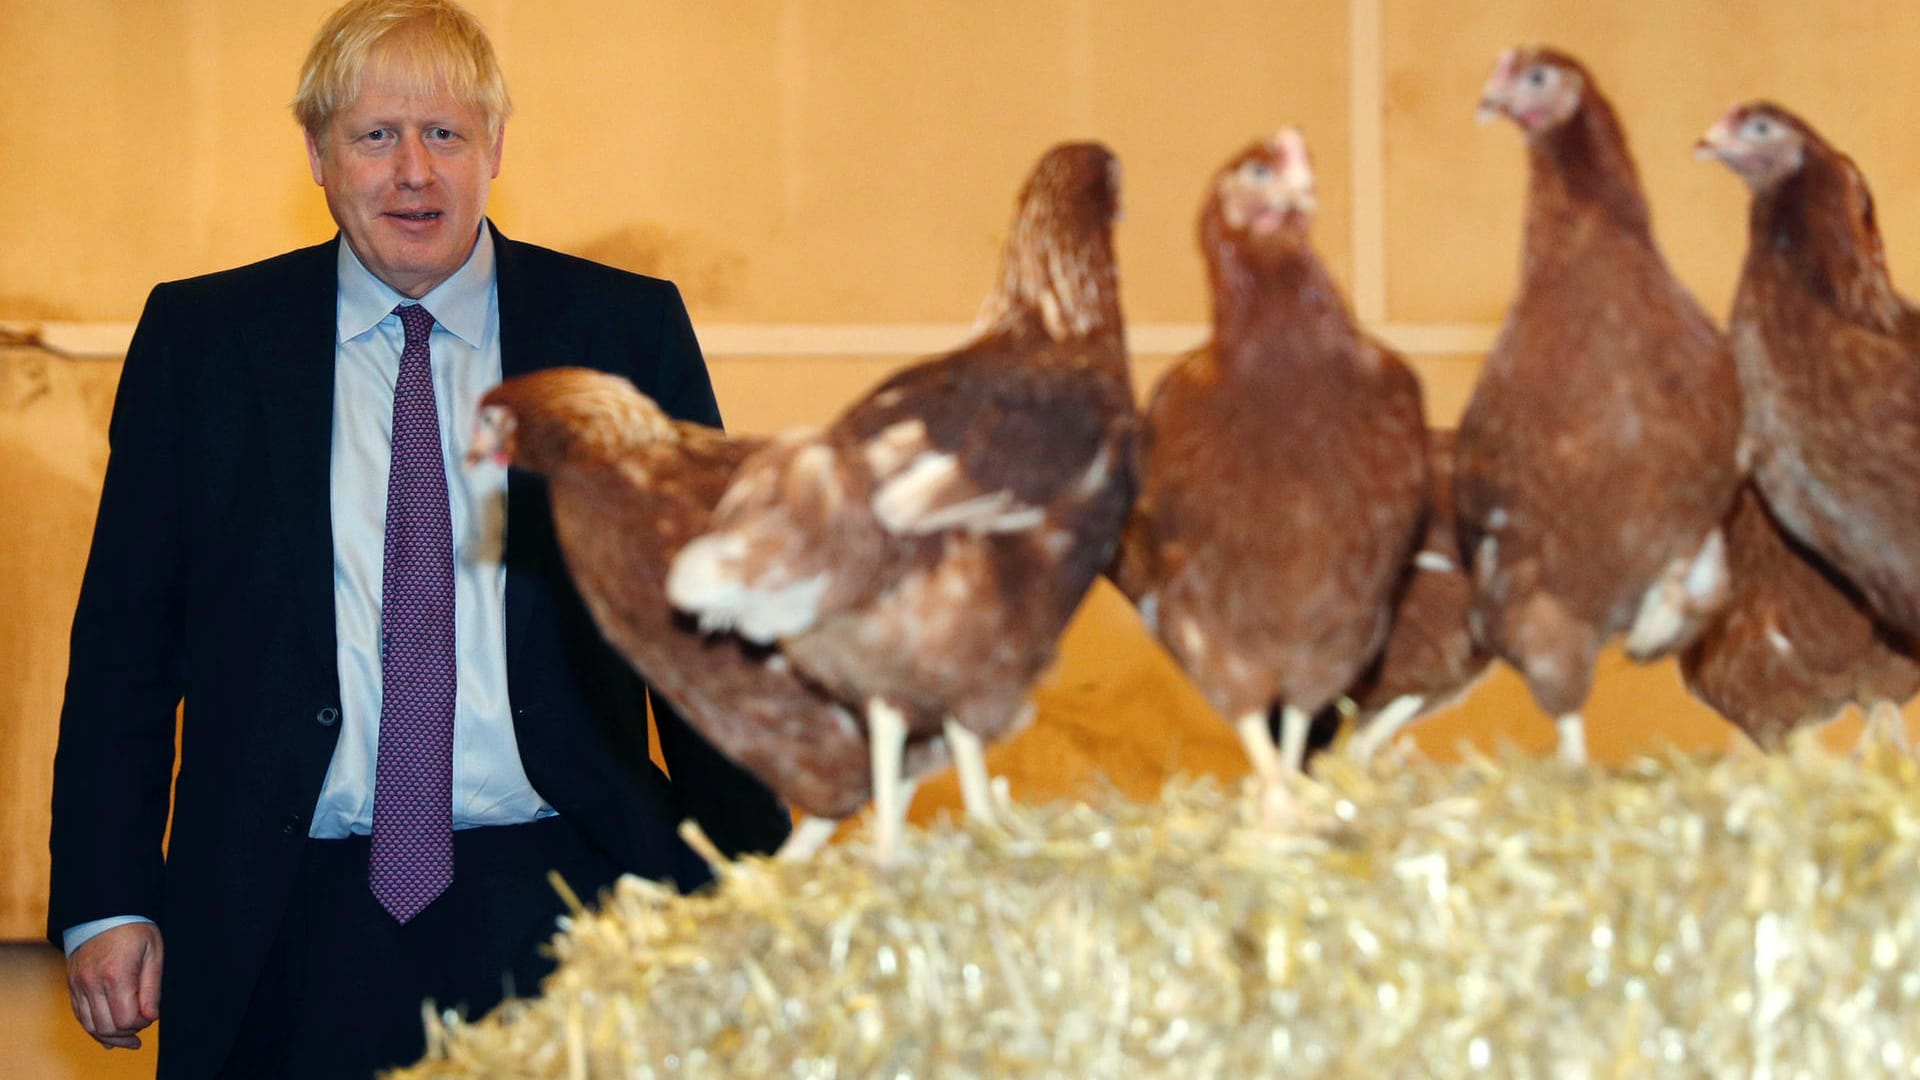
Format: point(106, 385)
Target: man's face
point(406, 179)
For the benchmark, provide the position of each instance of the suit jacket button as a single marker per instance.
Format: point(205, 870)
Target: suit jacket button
point(327, 717)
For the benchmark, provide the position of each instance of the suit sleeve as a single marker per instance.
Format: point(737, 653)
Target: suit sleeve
point(734, 809)
point(113, 770)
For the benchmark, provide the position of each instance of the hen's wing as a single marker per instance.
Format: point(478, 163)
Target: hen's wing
point(977, 442)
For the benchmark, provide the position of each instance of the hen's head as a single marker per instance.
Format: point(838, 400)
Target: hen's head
point(1267, 187)
point(1760, 141)
point(1536, 87)
point(540, 420)
point(1261, 200)
point(1058, 262)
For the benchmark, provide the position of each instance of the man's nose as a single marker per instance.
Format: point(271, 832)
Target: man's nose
point(412, 167)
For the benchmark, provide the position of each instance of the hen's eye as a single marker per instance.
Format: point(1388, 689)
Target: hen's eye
point(1256, 170)
point(1537, 78)
point(1758, 128)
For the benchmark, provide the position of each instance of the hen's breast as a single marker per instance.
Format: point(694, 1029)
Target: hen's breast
point(1600, 443)
point(1284, 508)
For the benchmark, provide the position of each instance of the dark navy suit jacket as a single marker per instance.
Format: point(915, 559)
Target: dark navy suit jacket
point(210, 581)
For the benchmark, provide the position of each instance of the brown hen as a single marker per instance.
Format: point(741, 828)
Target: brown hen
point(1283, 473)
point(629, 486)
point(921, 556)
point(1597, 456)
point(1829, 358)
point(1794, 644)
point(1431, 656)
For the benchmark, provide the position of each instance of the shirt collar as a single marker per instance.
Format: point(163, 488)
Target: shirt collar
point(459, 304)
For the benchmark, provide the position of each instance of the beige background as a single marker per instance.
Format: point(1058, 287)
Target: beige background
point(829, 183)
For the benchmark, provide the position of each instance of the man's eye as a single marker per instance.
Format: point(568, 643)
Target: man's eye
point(439, 134)
point(377, 135)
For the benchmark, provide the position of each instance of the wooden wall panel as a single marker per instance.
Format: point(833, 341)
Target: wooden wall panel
point(53, 449)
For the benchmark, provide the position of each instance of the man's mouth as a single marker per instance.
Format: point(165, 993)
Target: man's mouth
point(414, 215)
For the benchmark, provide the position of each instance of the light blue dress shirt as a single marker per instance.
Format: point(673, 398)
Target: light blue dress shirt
point(490, 785)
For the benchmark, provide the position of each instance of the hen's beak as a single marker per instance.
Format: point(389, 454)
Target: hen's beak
point(489, 442)
point(1494, 95)
point(1718, 143)
point(1296, 172)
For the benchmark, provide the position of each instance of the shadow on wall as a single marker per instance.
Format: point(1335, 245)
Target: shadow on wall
point(34, 309)
point(710, 281)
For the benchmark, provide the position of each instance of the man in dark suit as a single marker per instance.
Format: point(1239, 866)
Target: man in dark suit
point(398, 716)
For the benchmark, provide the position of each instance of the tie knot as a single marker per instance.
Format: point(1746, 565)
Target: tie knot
point(418, 322)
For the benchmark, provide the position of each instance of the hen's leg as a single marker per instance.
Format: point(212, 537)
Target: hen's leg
point(809, 835)
point(1276, 804)
point(1573, 738)
point(1385, 724)
point(887, 740)
point(1295, 725)
point(1887, 726)
point(970, 761)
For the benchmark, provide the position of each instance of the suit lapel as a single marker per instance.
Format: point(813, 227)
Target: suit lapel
point(295, 392)
point(530, 339)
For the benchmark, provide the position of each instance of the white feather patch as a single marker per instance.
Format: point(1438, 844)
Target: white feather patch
point(1096, 475)
point(1193, 639)
point(1149, 608)
point(1436, 562)
point(1708, 574)
point(705, 580)
point(893, 446)
point(915, 502)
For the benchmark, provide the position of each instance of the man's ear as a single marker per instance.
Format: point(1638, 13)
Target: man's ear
point(315, 154)
point(499, 145)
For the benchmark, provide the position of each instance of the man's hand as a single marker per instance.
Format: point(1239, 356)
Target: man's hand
point(114, 981)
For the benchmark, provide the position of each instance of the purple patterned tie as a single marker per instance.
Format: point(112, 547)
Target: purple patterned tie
point(412, 857)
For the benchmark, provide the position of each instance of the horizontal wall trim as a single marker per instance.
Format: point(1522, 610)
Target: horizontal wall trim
point(828, 340)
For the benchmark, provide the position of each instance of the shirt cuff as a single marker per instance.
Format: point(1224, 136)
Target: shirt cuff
point(75, 936)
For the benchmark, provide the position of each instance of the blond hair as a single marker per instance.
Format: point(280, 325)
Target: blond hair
point(436, 46)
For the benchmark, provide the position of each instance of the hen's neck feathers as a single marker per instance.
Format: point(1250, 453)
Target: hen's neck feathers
point(606, 428)
point(1057, 277)
point(1582, 169)
point(1816, 229)
point(1279, 296)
